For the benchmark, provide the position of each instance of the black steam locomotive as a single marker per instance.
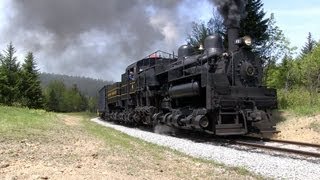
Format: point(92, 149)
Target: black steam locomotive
point(215, 90)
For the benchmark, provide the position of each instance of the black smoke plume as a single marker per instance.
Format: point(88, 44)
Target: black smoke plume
point(92, 37)
point(231, 10)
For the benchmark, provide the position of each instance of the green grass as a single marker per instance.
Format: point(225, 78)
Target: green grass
point(304, 110)
point(299, 101)
point(23, 122)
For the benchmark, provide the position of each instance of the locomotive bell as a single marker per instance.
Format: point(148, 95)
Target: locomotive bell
point(213, 45)
point(184, 51)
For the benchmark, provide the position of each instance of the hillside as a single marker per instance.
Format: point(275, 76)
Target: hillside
point(35, 144)
point(88, 86)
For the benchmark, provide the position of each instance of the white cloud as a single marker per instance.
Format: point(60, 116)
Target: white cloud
point(162, 22)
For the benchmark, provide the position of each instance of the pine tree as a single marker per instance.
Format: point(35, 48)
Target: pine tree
point(52, 103)
point(55, 97)
point(78, 101)
point(92, 104)
point(84, 102)
point(309, 46)
point(10, 81)
point(254, 24)
point(30, 84)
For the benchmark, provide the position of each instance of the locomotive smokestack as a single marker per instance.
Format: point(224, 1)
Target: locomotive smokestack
point(233, 34)
point(232, 11)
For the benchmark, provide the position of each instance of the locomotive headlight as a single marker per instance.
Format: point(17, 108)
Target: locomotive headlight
point(247, 40)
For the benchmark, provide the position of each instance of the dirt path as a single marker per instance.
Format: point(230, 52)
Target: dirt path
point(71, 152)
point(66, 154)
point(305, 129)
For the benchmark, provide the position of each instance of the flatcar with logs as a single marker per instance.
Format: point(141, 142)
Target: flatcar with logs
point(215, 90)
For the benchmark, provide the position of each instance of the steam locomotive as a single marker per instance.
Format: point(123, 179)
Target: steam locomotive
point(215, 90)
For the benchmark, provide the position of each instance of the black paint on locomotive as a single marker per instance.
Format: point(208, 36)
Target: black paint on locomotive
point(216, 91)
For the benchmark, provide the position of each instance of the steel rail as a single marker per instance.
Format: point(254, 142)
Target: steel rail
point(292, 142)
point(281, 141)
point(295, 151)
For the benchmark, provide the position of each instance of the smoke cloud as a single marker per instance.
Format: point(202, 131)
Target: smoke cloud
point(96, 38)
point(231, 10)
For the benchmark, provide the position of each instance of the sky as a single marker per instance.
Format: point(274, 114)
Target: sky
point(296, 18)
point(99, 38)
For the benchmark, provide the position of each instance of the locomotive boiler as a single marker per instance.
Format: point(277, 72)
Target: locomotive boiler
point(215, 90)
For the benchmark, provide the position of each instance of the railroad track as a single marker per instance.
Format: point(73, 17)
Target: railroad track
point(293, 147)
point(299, 148)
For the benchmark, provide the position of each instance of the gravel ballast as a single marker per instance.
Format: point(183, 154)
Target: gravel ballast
point(264, 164)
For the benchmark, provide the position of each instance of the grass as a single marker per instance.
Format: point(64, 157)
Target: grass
point(121, 141)
point(23, 122)
point(85, 115)
point(299, 101)
point(136, 147)
point(282, 115)
point(304, 110)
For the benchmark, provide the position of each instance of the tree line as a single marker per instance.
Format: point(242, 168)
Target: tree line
point(20, 86)
point(87, 86)
point(298, 78)
point(63, 99)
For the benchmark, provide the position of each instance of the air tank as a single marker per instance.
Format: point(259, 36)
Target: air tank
point(184, 90)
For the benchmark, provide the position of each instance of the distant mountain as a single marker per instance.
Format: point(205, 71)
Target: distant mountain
point(87, 86)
